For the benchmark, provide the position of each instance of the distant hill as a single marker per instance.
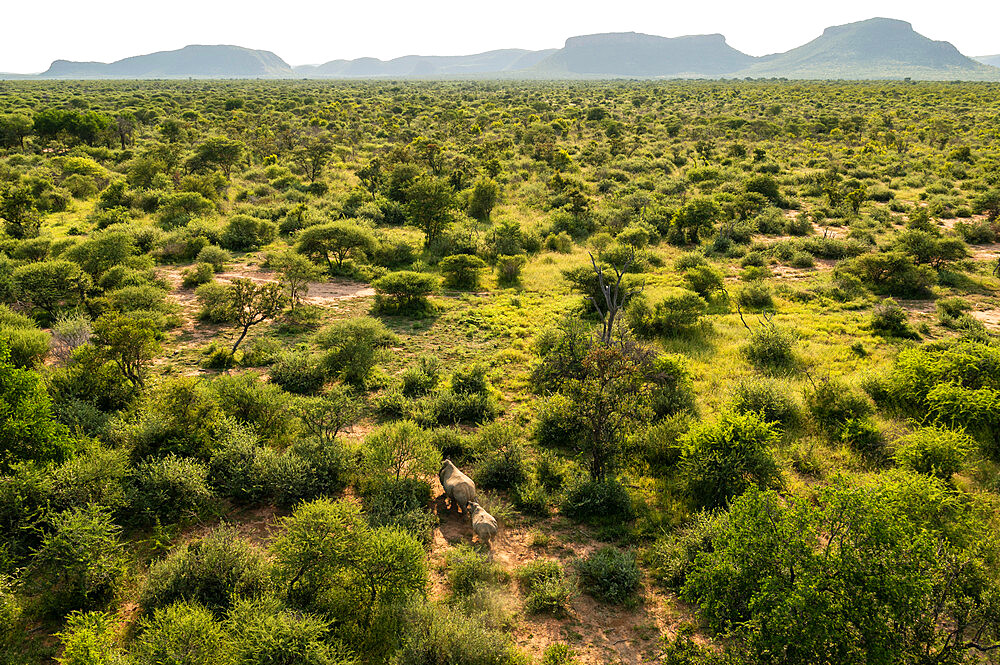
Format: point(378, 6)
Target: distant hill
point(504, 60)
point(633, 54)
point(879, 48)
point(190, 61)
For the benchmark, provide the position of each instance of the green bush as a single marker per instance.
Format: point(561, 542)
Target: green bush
point(10, 619)
point(934, 451)
point(264, 632)
point(548, 590)
point(605, 501)
point(768, 398)
point(80, 563)
point(723, 459)
point(353, 347)
point(423, 377)
point(170, 489)
point(89, 639)
point(501, 457)
point(531, 498)
point(704, 280)
point(215, 256)
point(213, 572)
point(509, 269)
point(95, 475)
point(298, 372)
point(216, 302)
point(863, 436)
point(462, 271)
point(439, 634)
point(659, 445)
point(559, 654)
point(890, 320)
point(672, 555)
point(558, 423)
point(891, 273)
point(28, 346)
point(673, 386)
point(201, 273)
point(244, 233)
point(468, 570)
point(675, 315)
point(770, 347)
point(401, 504)
point(831, 403)
point(404, 292)
point(610, 575)
point(756, 295)
point(182, 633)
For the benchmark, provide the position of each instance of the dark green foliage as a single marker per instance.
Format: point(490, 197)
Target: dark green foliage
point(548, 590)
point(832, 403)
point(721, 460)
point(673, 555)
point(890, 273)
point(762, 581)
point(603, 501)
point(890, 320)
point(610, 575)
point(213, 572)
point(769, 398)
point(298, 372)
point(182, 633)
point(468, 570)
point(167, 490)
point(703, 279)
point(80, 563)
point(770, 347)
point(353, 347)
point(500, 452)
point(672, 316)
point(461, 271)
point(404, 292)
point(756, 295)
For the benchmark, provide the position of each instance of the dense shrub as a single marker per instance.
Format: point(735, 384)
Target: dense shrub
point(439, 634)
point(890, 320)
point(674, 315)
point(831, 403)
point(169, 489)
point(353, 347)
point(80, 563)
point(243, 233)
point(502, 462)
point(934, 451)
point(610, 575)
point(462, 271)
point(213, 572)
point(723, 459)
point(768, 398)
point(770, 347)
point(548, 590)
point(558, 423)
point(468, 570)
point(890, 273)
point(182, 633)
point(598, 501)
point(672, 555)
point(404, 292)
point(298, 372)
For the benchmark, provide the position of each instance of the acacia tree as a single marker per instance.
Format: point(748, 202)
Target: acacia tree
point(429, 204)
point(254, 303)
point(296, 272)
point(335, 241)
point(615, 295)
point(612, 396)
point(313, 155)
point(130, 342)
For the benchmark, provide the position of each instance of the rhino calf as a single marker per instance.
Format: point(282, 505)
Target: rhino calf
point(457, 486)
point(484, 525)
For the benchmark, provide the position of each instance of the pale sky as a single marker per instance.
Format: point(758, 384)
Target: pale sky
point(310, 32)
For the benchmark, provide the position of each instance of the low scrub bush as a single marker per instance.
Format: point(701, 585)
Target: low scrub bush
point(610, 575)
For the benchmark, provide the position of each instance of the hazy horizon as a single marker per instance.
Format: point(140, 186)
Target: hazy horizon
point(304, 34)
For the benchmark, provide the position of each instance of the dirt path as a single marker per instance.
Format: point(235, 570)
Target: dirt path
point(598, 632)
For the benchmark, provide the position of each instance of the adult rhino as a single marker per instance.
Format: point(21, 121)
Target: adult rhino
point(457, 486)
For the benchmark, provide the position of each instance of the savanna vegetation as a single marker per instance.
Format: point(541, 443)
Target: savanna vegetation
point(720, 358)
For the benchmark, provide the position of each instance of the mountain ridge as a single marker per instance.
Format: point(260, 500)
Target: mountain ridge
point(877, 48)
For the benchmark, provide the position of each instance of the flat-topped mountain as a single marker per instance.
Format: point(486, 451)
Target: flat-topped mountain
point(638, 55)
point(191, 61)
point(879, 48)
